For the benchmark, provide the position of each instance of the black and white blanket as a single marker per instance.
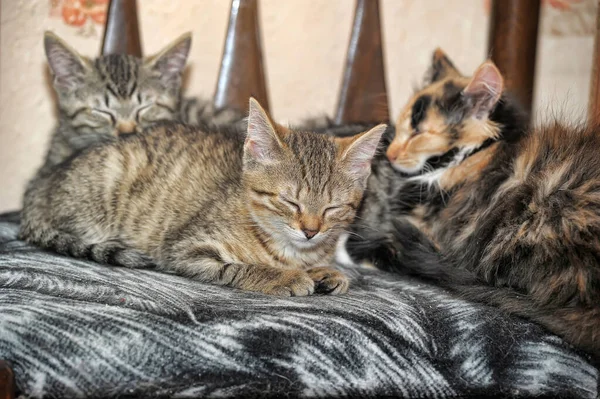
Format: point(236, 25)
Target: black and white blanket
point(71, 328)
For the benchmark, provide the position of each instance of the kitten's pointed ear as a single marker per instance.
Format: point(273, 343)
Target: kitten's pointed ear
point(170, 61)
point(358, 151)
point(485, 89)
point(263, 143)
point(68, 67)
point(441, 67)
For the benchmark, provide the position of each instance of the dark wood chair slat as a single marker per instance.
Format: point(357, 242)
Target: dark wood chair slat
point(121, 31)
point(594, 105)
point(242, 72)
point(513, 42)
point(363, 95)
point(7, 381)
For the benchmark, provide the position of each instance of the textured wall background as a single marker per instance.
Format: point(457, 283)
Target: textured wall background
point(305, 44)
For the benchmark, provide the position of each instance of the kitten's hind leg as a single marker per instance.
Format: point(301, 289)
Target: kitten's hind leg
point(115, 253)
point(328, 280)
point(205, 264)
point(112, 252)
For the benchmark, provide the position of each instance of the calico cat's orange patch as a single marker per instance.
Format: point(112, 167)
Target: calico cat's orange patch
point(468, 170)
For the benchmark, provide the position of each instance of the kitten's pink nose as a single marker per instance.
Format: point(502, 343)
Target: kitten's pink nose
point(126, 127)
point(310, 233)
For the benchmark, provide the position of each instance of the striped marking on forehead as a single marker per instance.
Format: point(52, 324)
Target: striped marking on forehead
point(316, 157)
point(119, 73)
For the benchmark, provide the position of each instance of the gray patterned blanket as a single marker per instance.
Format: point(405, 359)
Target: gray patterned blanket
point(71, 328)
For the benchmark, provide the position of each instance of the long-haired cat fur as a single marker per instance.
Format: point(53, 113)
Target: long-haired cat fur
point(497, 211)
point(261, 212)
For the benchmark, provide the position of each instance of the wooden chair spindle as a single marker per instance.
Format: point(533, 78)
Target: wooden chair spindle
point(7, 381)
point(594, 105)
point(242, 72)
point(363, 95)
point(513, 42)
point(121, 32)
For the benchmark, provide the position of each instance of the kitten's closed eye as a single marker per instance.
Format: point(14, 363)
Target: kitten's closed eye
point(105, 114)
point(140, 111)
point(332, 209)
point(292, 204)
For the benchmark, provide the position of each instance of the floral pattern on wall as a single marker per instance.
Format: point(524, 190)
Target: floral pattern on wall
point(565, 17)
point(86, 16)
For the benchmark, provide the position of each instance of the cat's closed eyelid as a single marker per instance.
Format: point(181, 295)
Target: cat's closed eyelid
point(165, 106)
point(139, 112)
point(87, 126)
point(105, 114)
point(291, 203)
point(339, 209)
point(78, 112)
point(332, 209)
point(263, 193)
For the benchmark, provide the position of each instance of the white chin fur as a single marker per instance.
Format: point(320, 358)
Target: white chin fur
point(298, 239)
point(430, 178)
point(413, 169)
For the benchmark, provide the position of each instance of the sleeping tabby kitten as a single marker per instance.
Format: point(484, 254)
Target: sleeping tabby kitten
point(487, 202)
point(112, 95)
point(262, 213)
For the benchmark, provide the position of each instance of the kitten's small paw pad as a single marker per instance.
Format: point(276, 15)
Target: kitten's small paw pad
point(291, 283)
point(329, 281)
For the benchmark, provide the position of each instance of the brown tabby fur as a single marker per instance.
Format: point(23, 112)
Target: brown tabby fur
point(110, 96)
point(261, 214)
point(519, 207)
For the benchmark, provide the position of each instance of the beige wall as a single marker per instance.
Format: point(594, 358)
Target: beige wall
point(305, 43)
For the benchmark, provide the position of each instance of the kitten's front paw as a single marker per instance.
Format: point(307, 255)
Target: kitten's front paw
point(328, 280)
point(290, 283)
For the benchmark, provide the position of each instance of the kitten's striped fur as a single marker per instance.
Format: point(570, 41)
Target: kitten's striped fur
point(112, 95)
point(262, 214)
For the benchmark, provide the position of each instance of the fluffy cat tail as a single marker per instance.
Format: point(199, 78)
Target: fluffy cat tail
point(407, 251)
point(112, 252)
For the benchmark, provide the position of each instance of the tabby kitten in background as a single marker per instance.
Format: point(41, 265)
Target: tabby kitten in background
point(499, 212)
point(261, 213)
point(113, 95)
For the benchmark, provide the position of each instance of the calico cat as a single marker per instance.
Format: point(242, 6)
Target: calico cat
point(113, 95)
point(499, 212)
point(260, 213)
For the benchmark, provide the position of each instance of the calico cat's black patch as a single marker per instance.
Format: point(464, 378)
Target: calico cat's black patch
point(452, 105)
point(509, 114)
point(419, 110)
point(441, 161)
